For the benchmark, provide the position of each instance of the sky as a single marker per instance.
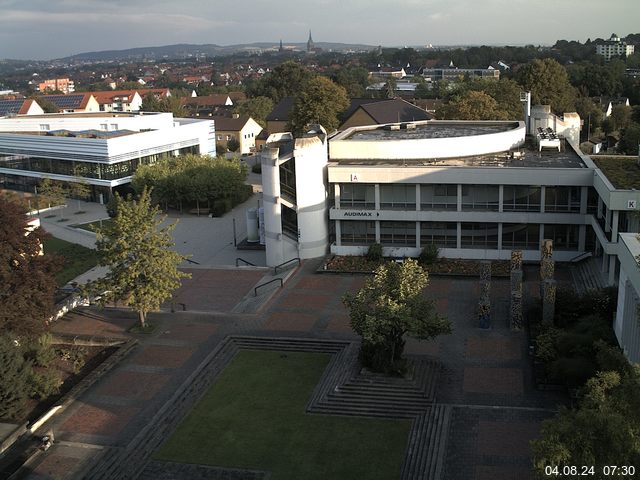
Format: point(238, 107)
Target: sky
point(48, 29)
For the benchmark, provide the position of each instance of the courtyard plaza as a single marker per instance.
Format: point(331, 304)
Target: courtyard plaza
point(485, 381)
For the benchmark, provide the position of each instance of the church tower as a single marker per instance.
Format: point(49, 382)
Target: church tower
point(310, 45)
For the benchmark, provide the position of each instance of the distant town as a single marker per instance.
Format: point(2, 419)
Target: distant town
point(317, 260)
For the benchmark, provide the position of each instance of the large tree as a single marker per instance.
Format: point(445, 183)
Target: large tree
point(472, 105)
point(286, 80)
point(143, 268)
point(320, 101)
point(390, 305)
point(257, 108)
point(603, 430)
point(548, 82)
point(27, 283)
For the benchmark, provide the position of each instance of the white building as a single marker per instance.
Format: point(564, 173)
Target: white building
point(627, 323)
point(614, 47)
point(104, 149)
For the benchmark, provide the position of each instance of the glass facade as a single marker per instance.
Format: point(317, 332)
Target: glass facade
point(289, 222)
point(562, 199)
point(398, 234)
point(398, 196)
point(103, 171)
point(524, 236)
point(441, 234)
point(480, 197)
point(479, 235)
point(288, 180)
point(357, 195)
point(357, 233)
point(439, 197)
point(565, 237)
point(517, 198)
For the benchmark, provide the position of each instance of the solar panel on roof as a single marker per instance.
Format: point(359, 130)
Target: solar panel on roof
point(66, 101)
point(9, 107)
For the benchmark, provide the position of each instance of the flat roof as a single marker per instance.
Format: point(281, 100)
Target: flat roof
point(422, 130)
point(86, 115)
point(526, 156)
point(622, 171)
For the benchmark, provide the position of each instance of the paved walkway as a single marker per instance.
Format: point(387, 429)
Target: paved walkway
point(485, 377)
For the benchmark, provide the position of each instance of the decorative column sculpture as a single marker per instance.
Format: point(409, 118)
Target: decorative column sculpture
point(484, 304)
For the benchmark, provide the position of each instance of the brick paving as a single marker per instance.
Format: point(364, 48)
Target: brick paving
point(481, 368)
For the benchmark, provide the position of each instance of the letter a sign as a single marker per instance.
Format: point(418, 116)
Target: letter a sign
point(354, 177)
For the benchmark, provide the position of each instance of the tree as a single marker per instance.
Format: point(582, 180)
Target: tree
point(390, 87)
point(591, 114)
point(321, 101)
point(257, 108)
point(80, 189)
point(286, 80)
point(549, 84)
point(15, 373)
point(389, 306)
point(354, 79)
point(51, 192)
point(472, 105)
point(621, 117)
point(27, 283)
point(173, 104)
point(630, 140)
point(233, 145)
point(143, 270)
point(604, 430)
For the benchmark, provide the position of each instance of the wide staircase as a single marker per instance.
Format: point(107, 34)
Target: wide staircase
point(587, 275)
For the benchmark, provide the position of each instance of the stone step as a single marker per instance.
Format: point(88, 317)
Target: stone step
point(424, 458)
point(383, 392)
point(367, 411)
point(351, 399)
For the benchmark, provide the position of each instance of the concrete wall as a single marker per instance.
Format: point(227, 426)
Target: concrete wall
point(627, 324)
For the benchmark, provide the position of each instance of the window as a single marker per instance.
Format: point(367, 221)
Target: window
point(104, 127)
point(398, 234)
point(520, 236)
point(44, 127)
point(114, 126)
point(398, 196)
point(220, 137)
point(289, 222)
point(562, 199)
point(521, 198)
point(479, 235)
point(228, 137)
point(592, 201)
point(439, 197)
point(357, 195)
point(441, 234)
point(357, 233)
point(288, 180)
point(480, 197)
point(565, 237)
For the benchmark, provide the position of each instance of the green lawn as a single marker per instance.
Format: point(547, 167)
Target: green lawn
point(77, 259)
point(622, 172)
point(254, 417)
point(91, 227)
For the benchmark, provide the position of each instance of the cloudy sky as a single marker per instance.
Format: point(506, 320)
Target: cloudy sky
point(45, 29)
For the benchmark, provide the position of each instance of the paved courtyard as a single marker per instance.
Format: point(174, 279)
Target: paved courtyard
point(485, 376)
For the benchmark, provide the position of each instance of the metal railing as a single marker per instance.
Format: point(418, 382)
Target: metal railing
point(580, 257)
point(275, 269)
point(192, 261)
point(244, 261)
point(255, 290)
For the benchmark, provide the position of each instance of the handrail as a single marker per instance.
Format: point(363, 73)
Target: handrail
point(238, 259)
point(582, 256)
point(192, 261)
point(275, 269)
point(255, 290)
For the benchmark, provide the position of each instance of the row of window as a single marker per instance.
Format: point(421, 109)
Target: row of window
point(445, 234)
point(474, 197)
point(104, 171)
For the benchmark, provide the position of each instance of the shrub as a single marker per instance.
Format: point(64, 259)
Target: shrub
point(375, 252)
point(220, 207)
point(44, 384)
point(429, 254)
point(574, 371)
point(256, 168)
point(40, 350)
point(376, 358)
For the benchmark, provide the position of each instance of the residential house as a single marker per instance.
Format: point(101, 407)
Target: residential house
point(244, 129)
point(367, 111)
point(25, 106)
point(74, 102)
point(118, 100)
point(63, 85)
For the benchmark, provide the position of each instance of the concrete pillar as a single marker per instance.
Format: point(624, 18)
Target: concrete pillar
point(336, 194)
point(418, 242)
point(584, 196)
point(582, 237)
point(376, 190)
point(459, 198)
point(499, 236)
point(272, 209)
point(338, 233)
point(541, 237)
point(614, 225)
point(459, 235)
point(500, 198)
point(612, 269)
point(607, 221)
point(543, 193)
point(377, 231)
point(600, 205)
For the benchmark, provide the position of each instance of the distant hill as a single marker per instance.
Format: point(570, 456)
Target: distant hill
point(185, 50)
